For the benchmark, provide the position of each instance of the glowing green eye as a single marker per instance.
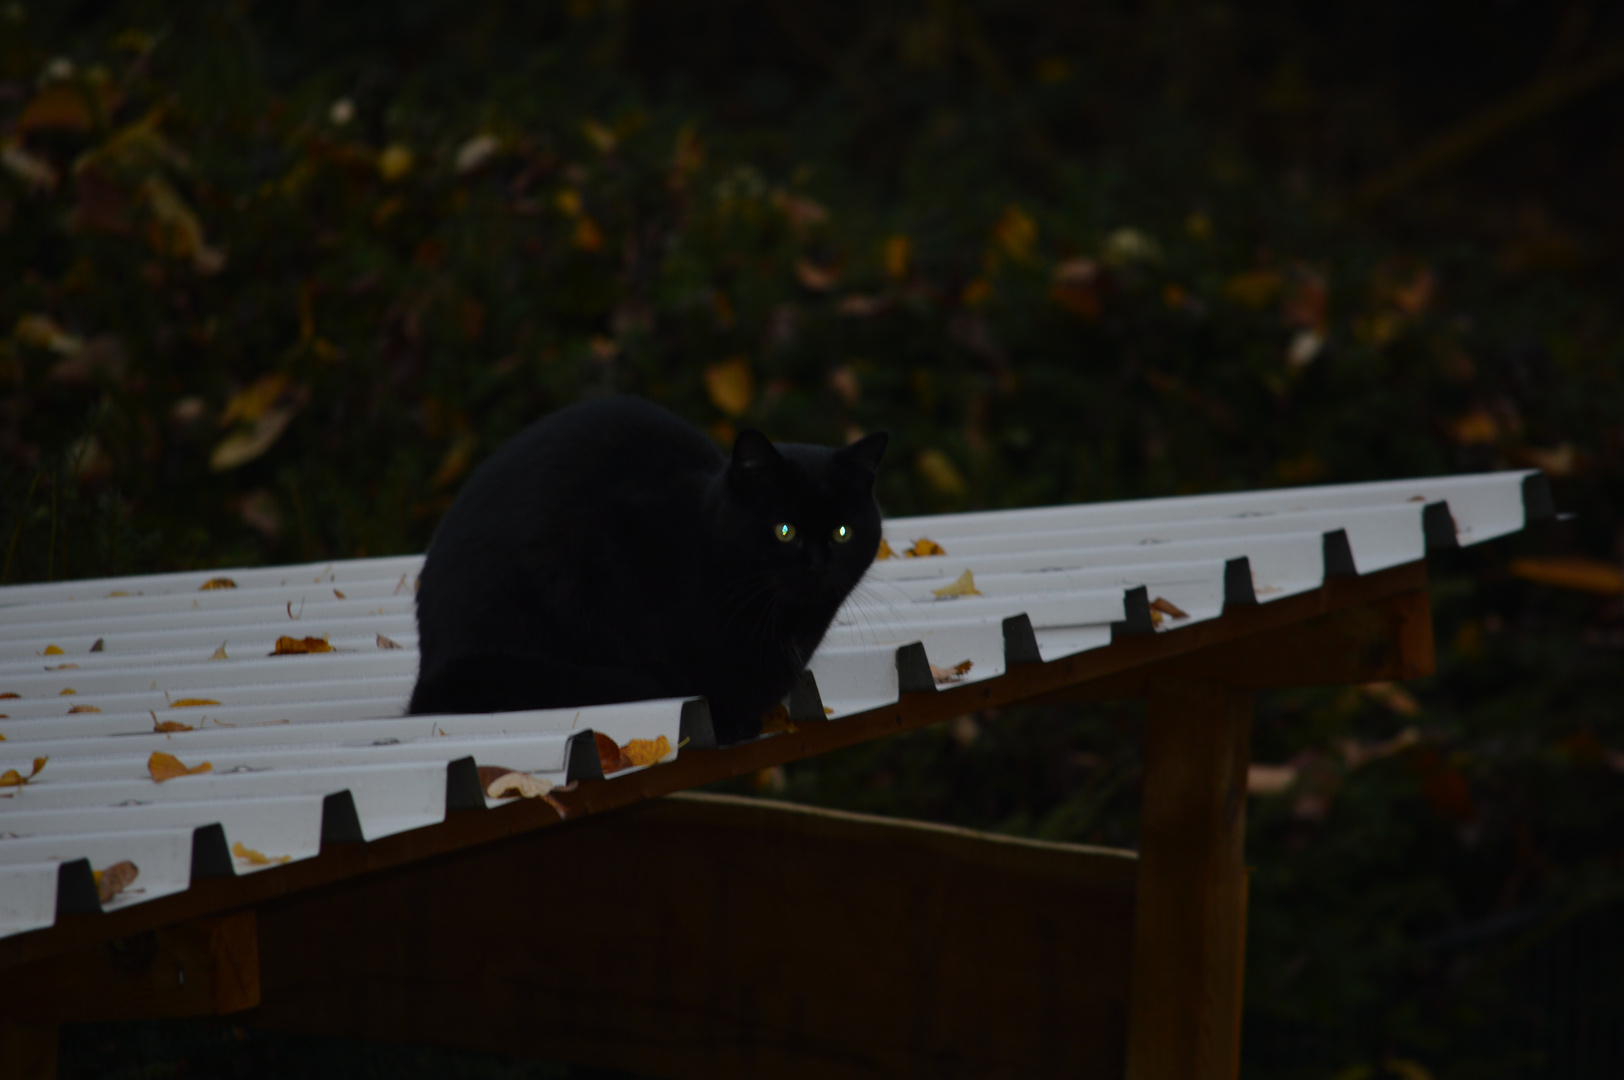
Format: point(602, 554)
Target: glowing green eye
point(842, 534)
point(784, 531)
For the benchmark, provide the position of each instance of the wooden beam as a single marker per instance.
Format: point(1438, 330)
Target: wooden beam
point(464, 829)
point(1190, 916)
point(715, 937)
point(1386, 640)
point(208, 967)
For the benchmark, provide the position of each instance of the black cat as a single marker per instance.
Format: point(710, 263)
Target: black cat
point(611, 553)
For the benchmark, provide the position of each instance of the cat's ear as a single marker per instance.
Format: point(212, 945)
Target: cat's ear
point(753, 453)
point(866, 452)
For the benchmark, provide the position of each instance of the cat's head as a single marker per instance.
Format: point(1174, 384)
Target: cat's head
point(799, 523)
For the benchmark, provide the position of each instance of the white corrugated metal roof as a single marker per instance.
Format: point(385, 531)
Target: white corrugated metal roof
point(312, 748)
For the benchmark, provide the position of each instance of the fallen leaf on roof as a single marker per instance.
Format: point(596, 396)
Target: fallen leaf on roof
point(776, 719)
point(828, 711)
point(83, 708)
point(647, 751)
point(1571, 572)
point(164, 766)
point(220, 653)
point(167, 727)
point(500, 782)
point(13, 778)
point(291, 646)
point(54, 650)
point(340, 595)
point(964, 586)
point(951, 674)
point(66, 690)
point(97, 647)
point(9, 694)
point(885, 551)
point(386, 643)
point(243, 851)
point(114, 879)
point(217, 583)
point(1167, 607)
point(62, 667)
point(923, 547)
point(608, 753)
point(191, 702)
point(117, 593)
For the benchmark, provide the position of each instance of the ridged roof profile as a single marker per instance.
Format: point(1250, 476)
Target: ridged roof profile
point(312, 749)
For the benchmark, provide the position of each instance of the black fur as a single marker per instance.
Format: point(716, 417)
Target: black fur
point(612, 553)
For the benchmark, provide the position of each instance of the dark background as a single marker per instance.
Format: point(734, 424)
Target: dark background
point(278, 274)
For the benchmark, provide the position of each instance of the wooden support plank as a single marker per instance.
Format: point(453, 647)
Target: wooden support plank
point(712, 936)
point(1190, 915)
point(203, 968)
point(27, 1051)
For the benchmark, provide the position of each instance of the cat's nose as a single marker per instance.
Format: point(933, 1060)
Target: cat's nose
point(816, 557)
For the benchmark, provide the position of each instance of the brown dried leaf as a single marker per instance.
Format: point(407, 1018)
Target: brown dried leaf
point(290, 646)
point(62, 667)
point(243, 851)
point(609, 755)
point(13, 778)
point(192, 702)
point(83, 709)
point(164, 766)
point(217, 583)
point(167, 727)
point(1167, 607)
point(964, 586)
point(114, 879)
point(220, 653)
point(951, 674)
point(99, 645)
point(387, 643)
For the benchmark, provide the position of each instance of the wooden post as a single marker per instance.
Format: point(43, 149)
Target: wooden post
point(27, 1051)
point(1190, 912)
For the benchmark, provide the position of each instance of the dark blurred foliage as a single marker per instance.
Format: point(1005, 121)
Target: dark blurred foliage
point(278, 275)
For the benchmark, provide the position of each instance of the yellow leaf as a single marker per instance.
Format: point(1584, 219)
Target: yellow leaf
point(458, 456)
point(964, 586)
point(243, 446)
point(940, 473)
point(897, 252)
point(1016, 232)
point(256, 858)
point(1254, 288)
point(192, 702)
point(220, 653)
point(217, 583)
point(646, 751)
point(923, 547)
point(66, 691)
point(290, 646)
point(885, 551)
point(54, 650)
point(162, 766)
point(730, 385)
point(13, 778)
point(395, 162)
point(1571, 572)
point(599, 135)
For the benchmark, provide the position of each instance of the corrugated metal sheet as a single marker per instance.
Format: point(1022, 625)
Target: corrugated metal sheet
point(311, 748)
